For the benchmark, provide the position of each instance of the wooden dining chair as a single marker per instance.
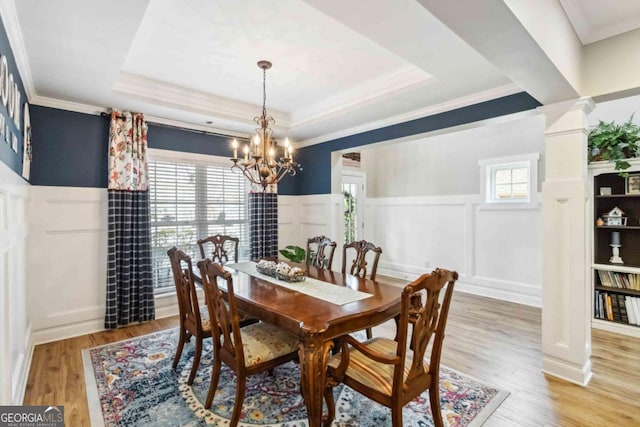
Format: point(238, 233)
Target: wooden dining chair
point(394, 372)
point(323, 249)
point(359, 264)
point(193, 321)
point(222, 246)
point(255, 348)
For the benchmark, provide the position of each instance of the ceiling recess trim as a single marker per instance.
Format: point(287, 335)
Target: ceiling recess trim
point(195, 101)
point(374, 90)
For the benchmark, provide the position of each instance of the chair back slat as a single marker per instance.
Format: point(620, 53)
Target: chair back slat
point(222, 246)
point(359, 265)
point(429, 321)
point(183, 278)
point(225, 320)
point(323, 254)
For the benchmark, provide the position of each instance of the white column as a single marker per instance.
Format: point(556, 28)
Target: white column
point(566, 290)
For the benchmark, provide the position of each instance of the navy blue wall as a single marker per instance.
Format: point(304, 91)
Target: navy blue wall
point(7, 155)
point(315, 178)
point(70, 149)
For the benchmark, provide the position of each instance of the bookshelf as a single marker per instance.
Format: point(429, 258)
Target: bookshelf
point(615, 282)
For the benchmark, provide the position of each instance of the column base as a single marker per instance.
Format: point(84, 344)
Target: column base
point(562, 369)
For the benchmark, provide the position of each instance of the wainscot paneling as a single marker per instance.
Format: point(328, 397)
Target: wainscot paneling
point(497, 252)
point(16, 339)
point(68, 263)
point(301, 217)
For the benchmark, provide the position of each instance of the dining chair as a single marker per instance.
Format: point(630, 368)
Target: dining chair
point(323, 254)
point(394, 372)
point(359, 264)
point(255, 348)
point(222, 246)
point(193, 321)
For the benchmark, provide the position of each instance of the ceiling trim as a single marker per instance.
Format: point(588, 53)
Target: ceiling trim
point(465, 101)
point(96, 111)
point(11, 23)
point(375, 90)
point(195, 101)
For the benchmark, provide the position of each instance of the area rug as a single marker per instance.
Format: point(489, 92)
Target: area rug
point(132, 383)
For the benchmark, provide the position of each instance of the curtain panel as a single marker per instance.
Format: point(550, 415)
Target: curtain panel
point(130, 295)
point(263, 225)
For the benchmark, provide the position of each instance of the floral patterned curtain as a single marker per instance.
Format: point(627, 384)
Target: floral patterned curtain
point(129, 276)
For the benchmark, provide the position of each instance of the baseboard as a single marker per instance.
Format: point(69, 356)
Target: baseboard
point(23, 376)
point(580, 375)
point(504, 290)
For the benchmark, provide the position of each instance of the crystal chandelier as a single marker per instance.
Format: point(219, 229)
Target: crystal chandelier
point(261, 164)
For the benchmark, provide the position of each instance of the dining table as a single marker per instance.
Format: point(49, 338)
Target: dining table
point(318, 310)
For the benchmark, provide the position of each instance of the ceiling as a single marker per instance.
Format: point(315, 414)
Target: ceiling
point(592, 22)
point(338, 67)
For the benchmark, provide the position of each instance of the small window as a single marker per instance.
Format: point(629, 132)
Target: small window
point(510, 180)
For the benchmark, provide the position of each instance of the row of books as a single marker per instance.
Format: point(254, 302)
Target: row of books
point(617, 307)
point(613, 279)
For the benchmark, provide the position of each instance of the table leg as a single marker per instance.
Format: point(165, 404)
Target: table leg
point(314, 356)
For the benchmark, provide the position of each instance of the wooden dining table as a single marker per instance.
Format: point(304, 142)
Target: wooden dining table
point(314, 321)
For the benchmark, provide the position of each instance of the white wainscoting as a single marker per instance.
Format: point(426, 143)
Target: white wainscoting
point(497, 252)
point(68, 263)
point(15, 324)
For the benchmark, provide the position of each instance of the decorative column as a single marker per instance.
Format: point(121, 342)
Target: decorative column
point(263, 224)
point(566, 290)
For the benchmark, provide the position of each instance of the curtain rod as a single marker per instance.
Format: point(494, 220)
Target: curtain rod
point(203, 132)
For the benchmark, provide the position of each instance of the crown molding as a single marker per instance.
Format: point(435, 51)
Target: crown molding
point(477, 98)
point(375, 90)
point(173, 96)
point(61, 104)
point(96, 111)
point(11, 23)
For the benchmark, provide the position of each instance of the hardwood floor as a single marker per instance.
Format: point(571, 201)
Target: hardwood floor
point(494, 341)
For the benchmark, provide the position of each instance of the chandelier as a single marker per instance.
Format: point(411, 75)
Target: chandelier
point(261, 165)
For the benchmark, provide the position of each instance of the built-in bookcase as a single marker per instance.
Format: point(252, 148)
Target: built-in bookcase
point(616, 281)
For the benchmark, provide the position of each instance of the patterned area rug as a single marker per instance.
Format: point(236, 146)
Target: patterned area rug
point(131, 383)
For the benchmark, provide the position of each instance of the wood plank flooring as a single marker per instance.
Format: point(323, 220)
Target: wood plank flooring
point(494, 341)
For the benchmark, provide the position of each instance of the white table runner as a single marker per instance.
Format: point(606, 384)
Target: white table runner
point(338, 295)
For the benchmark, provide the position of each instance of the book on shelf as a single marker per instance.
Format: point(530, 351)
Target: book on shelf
point(624, 318)
point(616, 307)
point(614, 279)
point(630, 311)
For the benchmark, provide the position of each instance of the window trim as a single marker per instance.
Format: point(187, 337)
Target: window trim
point(487, 166)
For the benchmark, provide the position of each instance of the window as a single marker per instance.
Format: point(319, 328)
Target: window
point(510, 179)
point(192, 197)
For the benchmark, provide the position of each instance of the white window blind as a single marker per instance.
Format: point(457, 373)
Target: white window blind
point(191, 200)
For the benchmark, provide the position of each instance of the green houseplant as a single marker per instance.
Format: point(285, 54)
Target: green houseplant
point(293, 253)
point(614, 142)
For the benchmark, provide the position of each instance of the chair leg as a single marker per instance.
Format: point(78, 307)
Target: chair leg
point(183, 338)
point(331, 406)
point(369, 333)
point(396, 416)
point(434, 400)
point(196, 360)
point(215, 377)
point(237, 406)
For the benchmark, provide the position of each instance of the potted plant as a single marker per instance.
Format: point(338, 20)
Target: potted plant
point(614, 142)
point(294, 253)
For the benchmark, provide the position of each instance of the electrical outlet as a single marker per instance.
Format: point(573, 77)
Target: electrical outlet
point(427, 264)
